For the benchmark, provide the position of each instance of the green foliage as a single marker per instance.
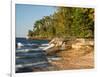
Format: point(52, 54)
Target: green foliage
point(30, 33)
point(65, 22)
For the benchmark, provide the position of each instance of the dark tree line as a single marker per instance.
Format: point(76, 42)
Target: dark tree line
point(65, 22)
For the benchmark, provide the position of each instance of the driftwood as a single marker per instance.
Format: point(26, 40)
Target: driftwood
point(57, 42)
point(60, 44)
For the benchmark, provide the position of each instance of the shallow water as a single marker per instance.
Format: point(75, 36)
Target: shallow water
point(31, 55)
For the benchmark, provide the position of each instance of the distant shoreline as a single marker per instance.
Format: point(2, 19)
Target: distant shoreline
point(36, 38)
point(49, 39)
point(40, 38)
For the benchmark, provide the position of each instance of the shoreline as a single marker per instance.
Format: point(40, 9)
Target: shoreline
point(79, 54)
point(75, 59)
point(71, 54)
point(38, 38)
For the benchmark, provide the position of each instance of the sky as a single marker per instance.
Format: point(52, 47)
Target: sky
point(26, 15)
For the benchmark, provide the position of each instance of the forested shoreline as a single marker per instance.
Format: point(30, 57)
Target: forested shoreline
point(65, 22)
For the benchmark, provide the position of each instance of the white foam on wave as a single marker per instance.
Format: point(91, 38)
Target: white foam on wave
point(30, 64)
point(45, 44)
point(48, 47)
point(30, 44)
point(27, 50)
point(41, 47)
point(23, 50)
point(19, 45)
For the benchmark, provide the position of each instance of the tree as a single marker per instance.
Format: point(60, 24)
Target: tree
point(65, 22)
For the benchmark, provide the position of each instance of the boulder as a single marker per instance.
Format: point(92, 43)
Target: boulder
point(78, 43)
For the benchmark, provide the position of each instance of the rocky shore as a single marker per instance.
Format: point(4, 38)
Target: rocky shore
point(69, 54)
point(74, 54)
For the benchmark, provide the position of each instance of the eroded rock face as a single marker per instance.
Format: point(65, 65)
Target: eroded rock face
point(90, 42)
point(79, 43)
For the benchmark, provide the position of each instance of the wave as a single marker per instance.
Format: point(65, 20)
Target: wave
point(38, 64)
point(28, 50)
point(48, 47)
point(29, 54)
point(34, 47)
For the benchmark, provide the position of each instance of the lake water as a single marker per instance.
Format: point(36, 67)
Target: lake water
point(30, 55)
